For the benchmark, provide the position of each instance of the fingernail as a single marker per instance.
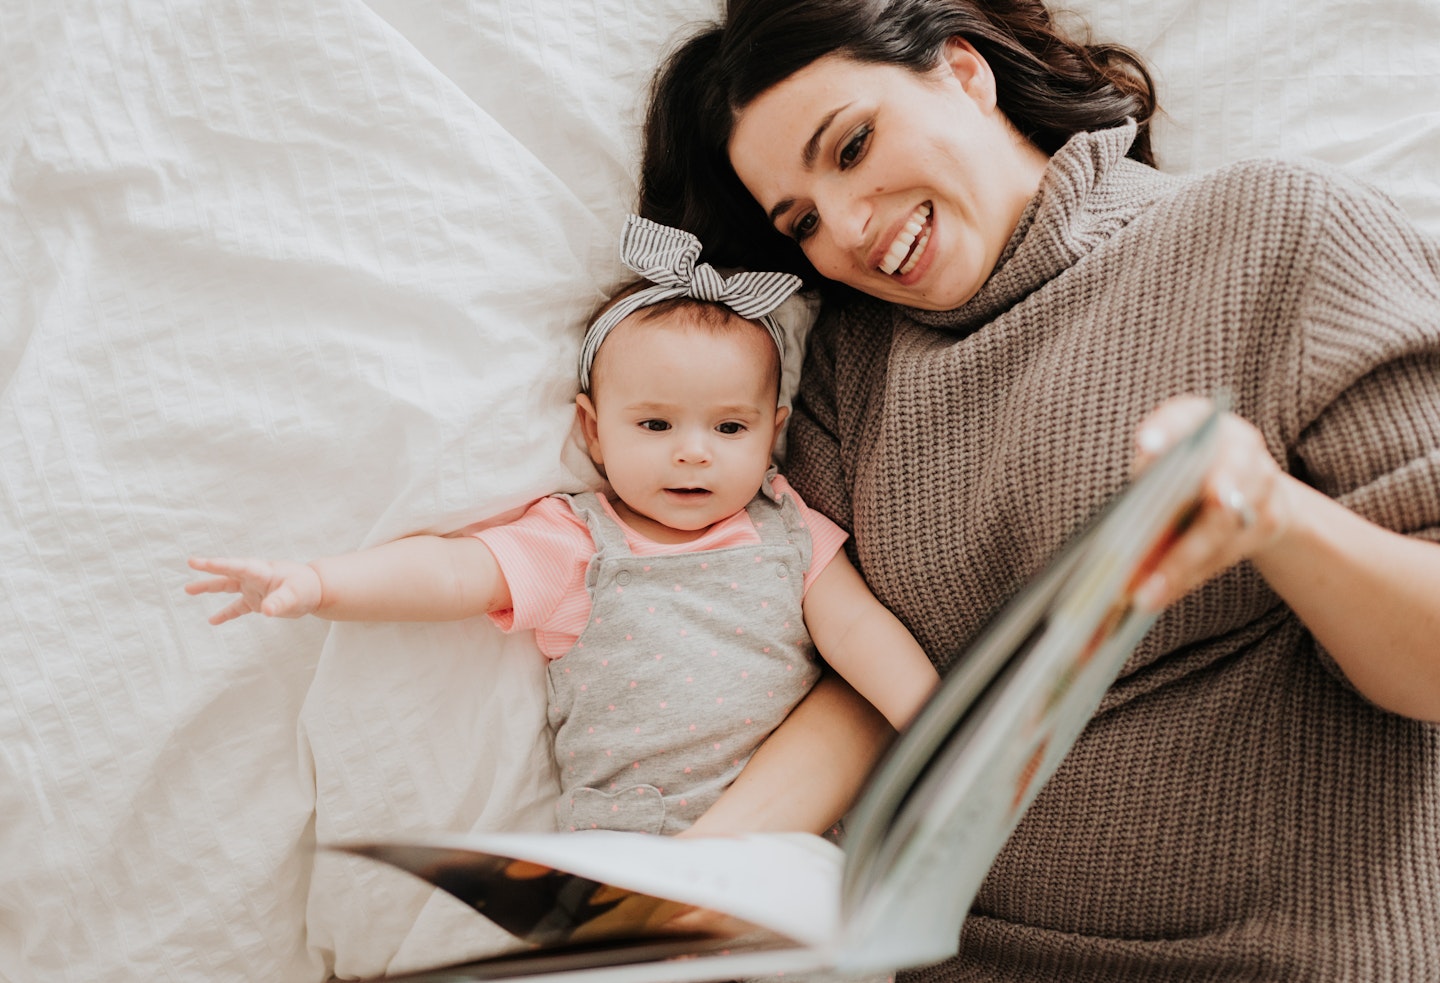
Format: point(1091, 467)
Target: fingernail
point(1151, 440)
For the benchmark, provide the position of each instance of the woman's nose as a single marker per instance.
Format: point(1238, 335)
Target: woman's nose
point(844, 214)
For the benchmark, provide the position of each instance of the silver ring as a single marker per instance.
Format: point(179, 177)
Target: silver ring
point(1236, 502)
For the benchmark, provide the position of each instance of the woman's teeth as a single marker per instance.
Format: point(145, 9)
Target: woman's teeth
point(901, 247)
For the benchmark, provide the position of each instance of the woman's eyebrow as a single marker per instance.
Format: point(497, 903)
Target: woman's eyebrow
point(781, 207)
point(812, 146)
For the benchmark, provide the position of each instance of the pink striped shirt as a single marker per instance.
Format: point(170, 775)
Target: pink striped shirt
point(545, 552)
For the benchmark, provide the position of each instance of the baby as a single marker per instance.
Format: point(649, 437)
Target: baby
point(679, 612)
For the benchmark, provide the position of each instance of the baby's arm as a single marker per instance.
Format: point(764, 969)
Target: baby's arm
point(861, 640)
point(419, 578)
point(809, 770)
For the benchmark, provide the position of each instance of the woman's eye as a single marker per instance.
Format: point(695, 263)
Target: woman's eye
point(854, 148)
point(730, 428)
point(654, 425)
point(803, 228)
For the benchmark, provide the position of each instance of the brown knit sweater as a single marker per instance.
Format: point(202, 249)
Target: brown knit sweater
point(1235, 810)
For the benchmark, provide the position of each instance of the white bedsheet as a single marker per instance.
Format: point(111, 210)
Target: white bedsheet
point(290, 277)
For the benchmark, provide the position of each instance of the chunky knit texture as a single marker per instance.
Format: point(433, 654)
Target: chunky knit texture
point(1235, 810)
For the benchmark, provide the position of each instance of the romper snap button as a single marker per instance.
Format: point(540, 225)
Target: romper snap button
point(623, 578)
point(782, 571)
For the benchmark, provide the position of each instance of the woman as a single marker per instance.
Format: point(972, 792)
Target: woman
point(1011, 292)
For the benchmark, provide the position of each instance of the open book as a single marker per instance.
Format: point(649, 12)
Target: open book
point(594, 906)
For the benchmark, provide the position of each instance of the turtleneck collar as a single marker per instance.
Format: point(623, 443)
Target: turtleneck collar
point(1089, 191)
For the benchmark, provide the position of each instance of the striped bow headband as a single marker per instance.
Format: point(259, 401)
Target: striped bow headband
point(667, 258)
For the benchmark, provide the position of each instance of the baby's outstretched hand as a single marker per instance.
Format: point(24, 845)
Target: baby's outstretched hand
point(274, 588)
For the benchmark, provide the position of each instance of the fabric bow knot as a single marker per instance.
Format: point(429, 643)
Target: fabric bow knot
point(668, 258)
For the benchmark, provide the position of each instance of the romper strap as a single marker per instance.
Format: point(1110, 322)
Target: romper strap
point(609, 537)
point(778, 521)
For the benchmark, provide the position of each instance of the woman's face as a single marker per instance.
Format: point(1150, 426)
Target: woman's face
point(905, 186)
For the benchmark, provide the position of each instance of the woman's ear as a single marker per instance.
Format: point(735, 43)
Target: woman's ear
point(589, 426)
point(971, 70)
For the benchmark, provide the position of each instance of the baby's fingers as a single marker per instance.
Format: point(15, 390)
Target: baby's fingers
point(265, 586)
point(219, 585)
point(231, 611)
point(280, 603)
point(235, 568)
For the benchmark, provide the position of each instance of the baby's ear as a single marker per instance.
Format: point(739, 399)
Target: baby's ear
point(782, 413)
point(589, 426)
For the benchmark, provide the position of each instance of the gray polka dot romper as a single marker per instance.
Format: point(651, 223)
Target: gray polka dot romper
point(688, 662)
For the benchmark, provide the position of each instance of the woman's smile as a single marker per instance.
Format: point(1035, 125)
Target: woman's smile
point(907, 248)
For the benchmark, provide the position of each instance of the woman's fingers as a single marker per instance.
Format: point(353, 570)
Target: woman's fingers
point(1208, 546)
point(1165, 425)
point(1243, 504)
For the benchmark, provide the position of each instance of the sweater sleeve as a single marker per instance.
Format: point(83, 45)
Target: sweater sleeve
point(1369, 397)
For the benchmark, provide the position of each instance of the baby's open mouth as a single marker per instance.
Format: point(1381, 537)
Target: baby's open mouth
point(688, 491)
point(910, 244)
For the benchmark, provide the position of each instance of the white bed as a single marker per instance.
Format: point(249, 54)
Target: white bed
point(290, 277)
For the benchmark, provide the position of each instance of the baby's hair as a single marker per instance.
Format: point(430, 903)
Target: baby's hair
point(711, 315)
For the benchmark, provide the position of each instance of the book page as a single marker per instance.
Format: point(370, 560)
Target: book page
point(595, 884)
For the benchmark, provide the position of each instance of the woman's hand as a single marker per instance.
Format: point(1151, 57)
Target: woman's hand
point(1245, 500)
point(1370, 596)
point(274, 588)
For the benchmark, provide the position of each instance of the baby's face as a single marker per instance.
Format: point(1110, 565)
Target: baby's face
point(683, 419)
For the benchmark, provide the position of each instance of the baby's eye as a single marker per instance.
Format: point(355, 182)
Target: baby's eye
point(854, 148)
point(657, 426)
point(730, 428)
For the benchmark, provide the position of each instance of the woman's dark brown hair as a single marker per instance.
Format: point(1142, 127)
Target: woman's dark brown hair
point(1048, 86)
